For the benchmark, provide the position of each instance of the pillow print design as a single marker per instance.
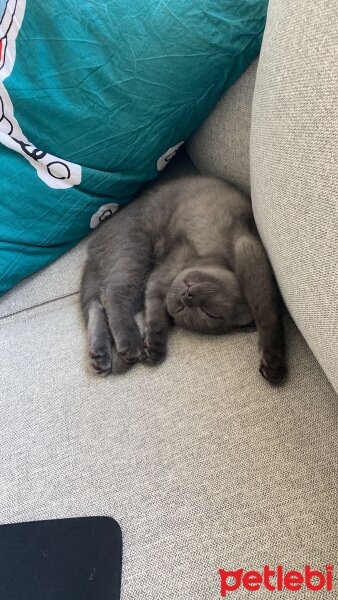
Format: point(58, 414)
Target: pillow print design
point(55, 172)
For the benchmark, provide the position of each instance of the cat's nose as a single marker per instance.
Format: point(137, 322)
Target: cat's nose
point(188, 300)
point(188, 296)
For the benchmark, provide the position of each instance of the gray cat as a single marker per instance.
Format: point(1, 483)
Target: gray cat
point(189, 252)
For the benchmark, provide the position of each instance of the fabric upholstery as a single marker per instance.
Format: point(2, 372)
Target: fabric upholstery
point(202, 463)
point(294, 158)
point(220, 147)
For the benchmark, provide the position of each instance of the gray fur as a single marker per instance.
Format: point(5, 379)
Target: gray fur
point(188, 252)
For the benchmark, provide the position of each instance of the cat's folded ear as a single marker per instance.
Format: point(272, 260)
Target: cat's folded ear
point(242, 315)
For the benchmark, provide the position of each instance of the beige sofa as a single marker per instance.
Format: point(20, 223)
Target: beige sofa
point(204, 465)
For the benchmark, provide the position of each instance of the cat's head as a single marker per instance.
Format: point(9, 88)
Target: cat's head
point(208, 300)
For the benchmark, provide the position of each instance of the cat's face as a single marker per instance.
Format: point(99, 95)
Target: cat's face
point(207, 300)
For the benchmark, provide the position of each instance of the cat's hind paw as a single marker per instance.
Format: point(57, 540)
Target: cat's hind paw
point(100, 363)
point(273, 368)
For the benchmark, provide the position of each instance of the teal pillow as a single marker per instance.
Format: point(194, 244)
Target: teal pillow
point(95, 97)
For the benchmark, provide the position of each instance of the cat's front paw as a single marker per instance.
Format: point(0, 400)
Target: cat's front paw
point(130, 347)
point(273, 367)
point(155, 347)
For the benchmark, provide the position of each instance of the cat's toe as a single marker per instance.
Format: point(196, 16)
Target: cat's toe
point(273, 368)
point(154, 356)
point(155, 351)
point(100, 364)
point(119, 366)
point(131, 350)
point(132, 355)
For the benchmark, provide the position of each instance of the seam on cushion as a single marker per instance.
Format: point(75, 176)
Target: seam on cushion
point(35, 306)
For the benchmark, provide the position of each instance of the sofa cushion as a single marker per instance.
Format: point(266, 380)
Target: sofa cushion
point(58, 280)
point(201, 462)
point(294, 158)
point(220, 147)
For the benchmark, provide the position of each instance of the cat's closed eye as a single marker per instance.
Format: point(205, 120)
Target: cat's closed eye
point(210, 314)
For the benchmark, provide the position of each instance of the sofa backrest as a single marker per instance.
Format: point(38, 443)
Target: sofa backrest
point(294, 165)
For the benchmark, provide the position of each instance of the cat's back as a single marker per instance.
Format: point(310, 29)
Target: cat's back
point(202, 210)
point(212, 194)
point(208, 210)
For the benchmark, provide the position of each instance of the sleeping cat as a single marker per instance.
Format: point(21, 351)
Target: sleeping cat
point(187, 251)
